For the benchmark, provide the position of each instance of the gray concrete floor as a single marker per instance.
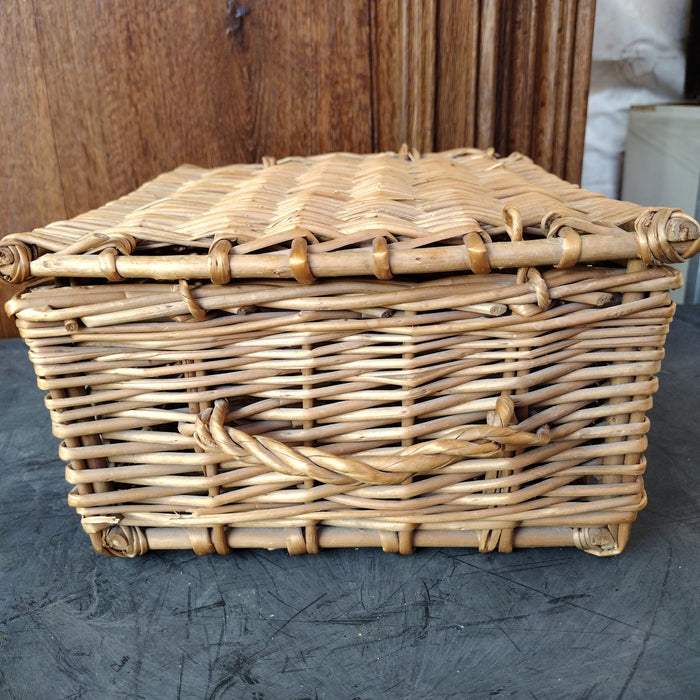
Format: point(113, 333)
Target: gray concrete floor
point(547, 623)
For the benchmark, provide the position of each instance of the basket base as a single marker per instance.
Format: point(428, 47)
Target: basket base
point(130, 541)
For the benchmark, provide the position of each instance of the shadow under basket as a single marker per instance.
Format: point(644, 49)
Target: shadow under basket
point(394, 350)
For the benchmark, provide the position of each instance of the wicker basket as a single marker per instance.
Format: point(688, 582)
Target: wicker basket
point(391, 350)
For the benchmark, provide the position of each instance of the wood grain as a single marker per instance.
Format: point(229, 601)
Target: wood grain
point(518, 82)
point(170, 82)
point(515, 75)
point(488, 103)
point(30, 178)
point(404, 38)
point(549, 76)
point(457, 73)
point(580, 81)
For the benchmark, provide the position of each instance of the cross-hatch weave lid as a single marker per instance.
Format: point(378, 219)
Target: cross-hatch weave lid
point(345, 214)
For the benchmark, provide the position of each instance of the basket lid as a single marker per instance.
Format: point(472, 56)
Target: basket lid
point(344, 214)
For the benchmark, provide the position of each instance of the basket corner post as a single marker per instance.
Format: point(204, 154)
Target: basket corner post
point(118, 540)
point(602, 541)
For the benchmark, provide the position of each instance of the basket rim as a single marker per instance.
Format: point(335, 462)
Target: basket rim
point(403, 214)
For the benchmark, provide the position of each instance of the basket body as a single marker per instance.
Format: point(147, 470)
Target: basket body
point(484, 408)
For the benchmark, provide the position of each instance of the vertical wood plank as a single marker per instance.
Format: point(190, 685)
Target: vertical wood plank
point(515, 75)
point(457, 74)
point(311, 91)
point(565, 70)
point(521, 30)
point(28, 162)
point(489, 98)
point(30, 179)
point(580, 82)
point(545, 89)
point(403, 65)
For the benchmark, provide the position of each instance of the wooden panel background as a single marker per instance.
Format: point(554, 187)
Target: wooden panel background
point(100, 95)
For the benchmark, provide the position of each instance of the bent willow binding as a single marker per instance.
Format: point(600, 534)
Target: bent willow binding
point(395, 350)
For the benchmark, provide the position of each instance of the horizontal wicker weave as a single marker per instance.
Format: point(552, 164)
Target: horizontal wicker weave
point(391, 350)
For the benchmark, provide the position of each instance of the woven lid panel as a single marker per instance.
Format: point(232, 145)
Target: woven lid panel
point(386, 203)
point(336, 200)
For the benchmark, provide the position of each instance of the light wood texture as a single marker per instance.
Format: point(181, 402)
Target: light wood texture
point(343, 214)
point(207, 423)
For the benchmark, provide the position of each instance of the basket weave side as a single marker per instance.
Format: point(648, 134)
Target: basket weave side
point(400, 381)
point(391, 350)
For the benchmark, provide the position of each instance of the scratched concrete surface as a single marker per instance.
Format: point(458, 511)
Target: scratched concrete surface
point(546, 624)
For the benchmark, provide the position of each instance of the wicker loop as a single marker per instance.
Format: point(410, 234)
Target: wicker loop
point(539, 286)
point(295, 540)
point(488, 540)
point(484, 441)
point(15, 263)
point(124, 541)
point(476, 253)
point(311, 533)
point(204, 540)
point(220, 540)
point(693, 250)
point(514, 229)
point(268, 161)
point(108, 264)
point(596, 540)
point(400, 541)
point(380, 259)
point(197, 312)
point(653, 228)
point(406, 541)
point(200, 540)
point(570, 246)
point(537, 283)
point(299, 262)
point(96, 241)
point(125, 243)
point(504, 415)
point(219, 263)
point(548, 221)
point(389, 541)
point(513, 222)
point(552, 223)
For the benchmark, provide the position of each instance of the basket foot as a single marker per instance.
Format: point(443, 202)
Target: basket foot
point(600, 541)
point(120, 541)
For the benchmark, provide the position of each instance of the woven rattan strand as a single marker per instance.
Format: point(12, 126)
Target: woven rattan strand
point(393, 350)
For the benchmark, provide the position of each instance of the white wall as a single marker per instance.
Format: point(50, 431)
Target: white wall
point(638, 58)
